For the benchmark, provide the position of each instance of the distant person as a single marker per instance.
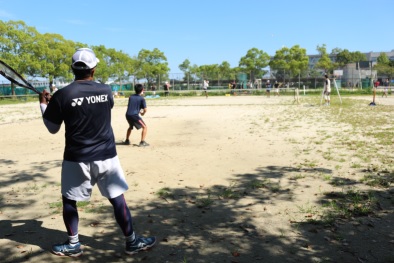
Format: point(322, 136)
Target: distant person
point(205, 87)
point(233, 87)
point(268, 88)
point(276, 86)
point(376, 83)
point(386, 88)
point(153, 88)
point(53, 89)
point(250, 85)
point(166, 88)
point(327, 89)
point(257, 84)
point(135, 107)
point(90, 156)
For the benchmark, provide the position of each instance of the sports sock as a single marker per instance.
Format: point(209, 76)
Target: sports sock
point(73, 240)
point(130, 238)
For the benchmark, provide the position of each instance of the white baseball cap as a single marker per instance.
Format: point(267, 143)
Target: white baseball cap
point(85, 56)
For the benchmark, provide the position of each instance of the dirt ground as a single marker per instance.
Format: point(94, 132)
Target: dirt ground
point(225, 179)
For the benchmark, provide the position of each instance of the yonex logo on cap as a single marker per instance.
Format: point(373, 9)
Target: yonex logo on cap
point(77, 101)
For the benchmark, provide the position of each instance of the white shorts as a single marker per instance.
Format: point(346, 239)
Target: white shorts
point(78, 179)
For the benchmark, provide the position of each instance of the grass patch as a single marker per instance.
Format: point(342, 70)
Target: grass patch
point(308, 164)
point(164, 193)
point(297, 177)
point(229, 193)
point(352, 203)
point(266, 184)
point(204, 202)
point(56, 207)
point(378, 180)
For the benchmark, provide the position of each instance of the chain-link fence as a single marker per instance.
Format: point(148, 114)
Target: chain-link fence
point(351, 79)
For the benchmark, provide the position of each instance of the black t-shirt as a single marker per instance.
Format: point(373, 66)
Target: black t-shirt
point(136, 103)
point(85, 108)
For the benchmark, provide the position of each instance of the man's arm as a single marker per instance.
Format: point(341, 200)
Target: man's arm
point(44, 100)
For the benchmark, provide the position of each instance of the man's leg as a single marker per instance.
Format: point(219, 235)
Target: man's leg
point(72, 247)
point(128, 134)
point(143, 133)
point(123, 216)
point(122, 213)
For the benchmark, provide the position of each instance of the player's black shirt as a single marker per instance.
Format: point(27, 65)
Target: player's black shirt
point(85, 108)
point(136, 103)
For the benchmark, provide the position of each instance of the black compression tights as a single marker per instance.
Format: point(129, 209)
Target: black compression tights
point(70, 216)
point(122, 215)
point(121, 211)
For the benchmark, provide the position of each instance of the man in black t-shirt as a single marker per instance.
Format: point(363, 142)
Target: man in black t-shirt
point(90, 155)
point(135, 107)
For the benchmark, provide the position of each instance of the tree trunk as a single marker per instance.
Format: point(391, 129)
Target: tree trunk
point(13, 89)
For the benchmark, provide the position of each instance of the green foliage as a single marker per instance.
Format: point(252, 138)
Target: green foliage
point(49, 55)
point(324, 62)
point(254, 62)
point(385, 66)
point(151, 64)
point(292, 60)
point(345, 57)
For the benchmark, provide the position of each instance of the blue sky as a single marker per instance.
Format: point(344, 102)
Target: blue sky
point(212, 31)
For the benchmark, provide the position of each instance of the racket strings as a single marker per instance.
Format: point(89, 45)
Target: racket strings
point(10, 74)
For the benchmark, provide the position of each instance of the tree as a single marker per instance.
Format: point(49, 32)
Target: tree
point(254, 62)
point(224, 71)
point(53, 53)
point(345, 57)
point(384, 66)
point(185, 68)
point(324, 62)
point(114, 64)
point(292, 61)
point(152, 65)
point(17, 47)
point(358, 56)
point(208, 71)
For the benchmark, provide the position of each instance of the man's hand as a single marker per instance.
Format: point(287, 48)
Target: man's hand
point(44, 97)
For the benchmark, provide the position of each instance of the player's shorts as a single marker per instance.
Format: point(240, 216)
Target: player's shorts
point(135, 121)
point(78, 179)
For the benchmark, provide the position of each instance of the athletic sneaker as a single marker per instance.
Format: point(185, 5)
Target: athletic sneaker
point(143, 144)
point(66, 249)
point(139, 244)
point(127, 142)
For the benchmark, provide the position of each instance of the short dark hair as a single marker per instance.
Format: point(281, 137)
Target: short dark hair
point(138, 88)
point(81, 73)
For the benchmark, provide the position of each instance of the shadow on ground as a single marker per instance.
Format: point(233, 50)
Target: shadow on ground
point(213, 225)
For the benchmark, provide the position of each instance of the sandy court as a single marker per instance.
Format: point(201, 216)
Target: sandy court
point(218, 183)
